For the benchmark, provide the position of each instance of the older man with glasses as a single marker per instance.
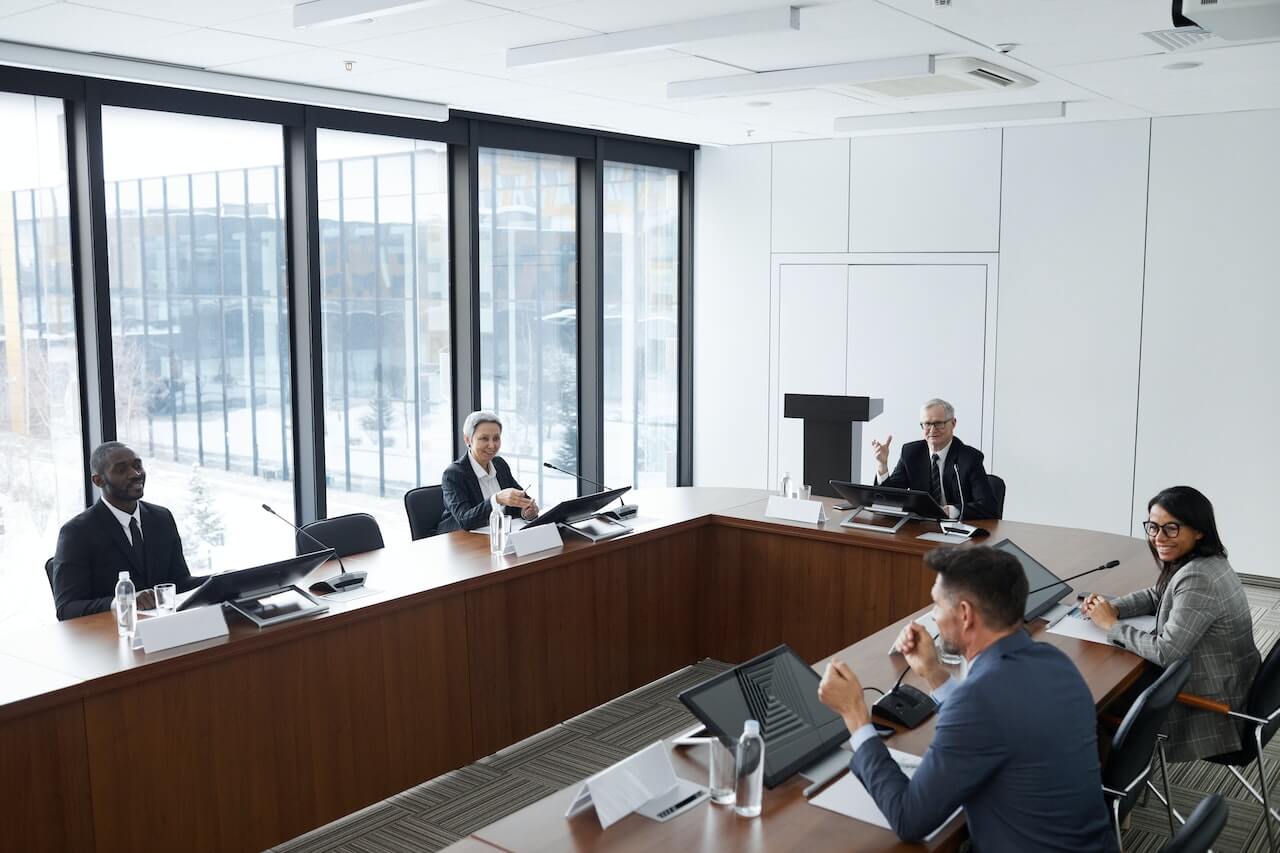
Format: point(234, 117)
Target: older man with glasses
point(940, 464)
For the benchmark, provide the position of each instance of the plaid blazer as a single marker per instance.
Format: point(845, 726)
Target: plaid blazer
point(1203, 615)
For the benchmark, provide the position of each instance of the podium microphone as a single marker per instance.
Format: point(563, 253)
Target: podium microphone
point(340, 582)
point(624, 511)
point(1110, 565)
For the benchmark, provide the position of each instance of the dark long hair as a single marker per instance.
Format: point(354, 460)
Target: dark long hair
point(1192, 509)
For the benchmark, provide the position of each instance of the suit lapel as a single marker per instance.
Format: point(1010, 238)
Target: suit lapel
point(473, 482)
point(154, 541)
point(949, 485)
point(118, 536)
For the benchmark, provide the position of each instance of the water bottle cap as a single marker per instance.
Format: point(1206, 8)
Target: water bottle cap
point(752, 727)
point(124, 576)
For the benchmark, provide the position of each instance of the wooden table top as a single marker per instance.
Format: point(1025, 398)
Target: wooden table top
point(787, 821)
point(49, 663)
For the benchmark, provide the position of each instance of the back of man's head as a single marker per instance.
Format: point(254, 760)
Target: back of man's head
point(992, 581)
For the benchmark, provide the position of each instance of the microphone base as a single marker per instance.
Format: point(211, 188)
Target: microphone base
point(624, 511)
point(906, 706)
point(341, 582)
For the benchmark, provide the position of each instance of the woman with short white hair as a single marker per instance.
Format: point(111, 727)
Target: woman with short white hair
point(480, 480)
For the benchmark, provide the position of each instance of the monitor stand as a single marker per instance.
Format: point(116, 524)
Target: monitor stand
point(885, 514)
point(596, 528)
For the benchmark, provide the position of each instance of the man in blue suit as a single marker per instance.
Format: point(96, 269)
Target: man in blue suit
point(1015, 742)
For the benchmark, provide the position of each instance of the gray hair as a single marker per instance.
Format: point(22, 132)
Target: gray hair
point(484, 416)
point(98, 458)
point(947, 408)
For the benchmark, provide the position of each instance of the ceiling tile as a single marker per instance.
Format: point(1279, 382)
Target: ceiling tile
point(505, 31)
point(13, 7)
point(643, 83)
point(420, 83)
point(309, 65)
point(206, 47)
point(279, 24)
point(197, 13)
point(86, 29)
point(611, 16)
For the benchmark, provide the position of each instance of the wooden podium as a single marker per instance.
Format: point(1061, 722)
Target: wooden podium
point(832, 435)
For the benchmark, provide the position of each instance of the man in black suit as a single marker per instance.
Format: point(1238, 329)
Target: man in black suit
point(941, 464)
point(480, 480)
point(119, 533)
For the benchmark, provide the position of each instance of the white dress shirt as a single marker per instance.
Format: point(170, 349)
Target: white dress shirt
point(952, 512)
point(489, 487)
point(124, 518)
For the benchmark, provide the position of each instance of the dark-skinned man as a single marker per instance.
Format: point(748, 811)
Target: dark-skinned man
point(119, 533)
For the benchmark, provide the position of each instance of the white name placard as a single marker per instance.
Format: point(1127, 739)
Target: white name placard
point(177, 629)
point(531, 540)
point(617, 791)
point(794, 509)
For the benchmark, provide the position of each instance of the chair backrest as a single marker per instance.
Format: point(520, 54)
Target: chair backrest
point(48, 571)
point(1135, 740)
point(1264, 694)
point(425, 508)
point(346, 534)
point(1201, 829)
point(997, 486)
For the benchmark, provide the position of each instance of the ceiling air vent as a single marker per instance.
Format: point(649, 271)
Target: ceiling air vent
point(950, 77)
point(1180, 38)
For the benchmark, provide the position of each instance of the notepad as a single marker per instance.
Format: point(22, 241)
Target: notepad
point(849, 798)
point(1074, 624)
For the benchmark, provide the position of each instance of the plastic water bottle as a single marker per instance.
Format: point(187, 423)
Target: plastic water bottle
point(785, 490)
point(495, 531)
point(126, 606)
point(750, 770)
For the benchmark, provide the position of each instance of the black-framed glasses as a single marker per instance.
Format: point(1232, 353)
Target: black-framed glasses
point(1171, 529)
point(935, 424)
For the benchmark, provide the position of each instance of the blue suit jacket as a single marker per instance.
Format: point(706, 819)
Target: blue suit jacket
point(1016, 745)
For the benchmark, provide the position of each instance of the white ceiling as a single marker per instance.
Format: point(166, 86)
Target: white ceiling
point(1089, 53)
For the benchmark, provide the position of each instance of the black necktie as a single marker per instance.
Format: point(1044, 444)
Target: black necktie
point(135, 533)
point(935, 481)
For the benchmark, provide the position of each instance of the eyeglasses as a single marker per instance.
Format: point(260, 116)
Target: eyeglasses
point(1171, 529)
point(935, 424)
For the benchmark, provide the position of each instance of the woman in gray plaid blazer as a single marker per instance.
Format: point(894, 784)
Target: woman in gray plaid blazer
point(1201, 613)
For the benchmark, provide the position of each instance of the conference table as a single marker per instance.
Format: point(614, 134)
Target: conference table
point(248, 740)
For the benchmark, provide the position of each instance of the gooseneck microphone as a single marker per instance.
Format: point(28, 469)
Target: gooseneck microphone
point(959, 488)
point(624, 511)
point(1110, 565)
point(340, 582)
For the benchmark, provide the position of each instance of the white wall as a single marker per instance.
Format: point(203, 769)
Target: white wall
point(1127, 327)
point(1209, 399)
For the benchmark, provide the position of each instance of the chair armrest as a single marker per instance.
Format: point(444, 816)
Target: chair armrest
point(1203, 704)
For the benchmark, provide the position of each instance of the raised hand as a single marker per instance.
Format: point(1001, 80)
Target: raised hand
point(881, 451)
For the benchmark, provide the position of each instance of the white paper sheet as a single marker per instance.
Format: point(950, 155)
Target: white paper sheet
point(849, 798)
point(1073, 624)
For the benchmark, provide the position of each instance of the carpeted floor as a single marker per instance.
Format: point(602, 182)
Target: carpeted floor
point(437, 813)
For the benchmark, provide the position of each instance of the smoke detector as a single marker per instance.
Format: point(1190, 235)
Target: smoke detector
point(955, 76)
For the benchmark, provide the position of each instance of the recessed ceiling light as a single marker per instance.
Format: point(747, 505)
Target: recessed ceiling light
point(759, 103)
point(1182, 66)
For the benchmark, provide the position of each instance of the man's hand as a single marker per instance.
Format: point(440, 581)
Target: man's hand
point(841, 691)
point(145, 599)
point(881, 451)
point(1102, 612)
point(915, 644)
point(514, 497)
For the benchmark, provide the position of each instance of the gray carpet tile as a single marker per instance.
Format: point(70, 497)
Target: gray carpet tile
point(651, 724)
point(530, 748)
point(598, 719)
point(572, 762)
point(410, 834)
point(443, 789)
point(483, 805)
point(333, 836)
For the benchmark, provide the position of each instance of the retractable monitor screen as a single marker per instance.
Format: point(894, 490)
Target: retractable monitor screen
point(1037, 576)
point(779, 690)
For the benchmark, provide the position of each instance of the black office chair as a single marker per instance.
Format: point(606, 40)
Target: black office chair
point(346, 534)
point(1201, 829)
point(1138, 742)
point(425, 508)
point(997, 486)
point(1261, 716)
point(48, 572)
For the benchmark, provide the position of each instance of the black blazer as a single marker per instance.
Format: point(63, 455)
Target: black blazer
point(93, 549)
point(913, 473)
point(464, 505)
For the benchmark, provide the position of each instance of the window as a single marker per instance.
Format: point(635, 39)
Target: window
point(528, 314)
point(200, 344)
point(641, 324)
point(41, 458)
point(384, 262)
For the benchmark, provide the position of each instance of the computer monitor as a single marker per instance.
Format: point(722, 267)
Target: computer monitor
point(918, 503)
point(1037, 576)
point(779, 690)
point(256, 580)
point(576, 509)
